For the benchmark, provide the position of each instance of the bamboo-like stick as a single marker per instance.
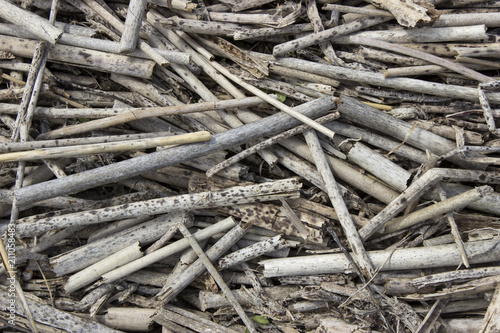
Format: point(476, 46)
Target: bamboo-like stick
point(94, 272)
point(8, 147)
point(36, 24)
point(173, 288)
point(217, 277)
point(133, 167)
point(400, 259)
point(378, 79)
point(315, 38)
point(165, 251)
point(88, 254)
point(473, 33)
point(420, 186)
point(422, 55)
point(132, 26)
point(88, 42)
point(141, 113)
point(211, 199)
point(359, 254)
point(112, 63)
point(73, 151)
point(443, 207)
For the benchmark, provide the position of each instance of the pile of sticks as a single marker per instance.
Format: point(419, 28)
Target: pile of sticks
point(261, 166)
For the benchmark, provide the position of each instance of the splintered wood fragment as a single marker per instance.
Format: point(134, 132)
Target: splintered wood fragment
point(122, 170)
point(408, 13)
point(212, 199)
point(400, 259)
point(335, 196)
point(91, 149)
point(94, 272)
point(292, 216)
point(173, 288)
point(315, 38)
point(132, 25)
point(36, 24)
point(217, 277)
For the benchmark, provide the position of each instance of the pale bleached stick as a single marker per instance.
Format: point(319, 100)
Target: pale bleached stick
point(141, 113)
point(132, 26)
point(111, 63)
point(448, 205)
point(217, 277)
point(315, 38)
point(173, 288)
point(338, 204)
point(400, 259)
point(99, 148)
point(456, 67)
point(36, 24)
point(378, 79)
point(94, 272)
point(9, 147)
point(420, 186)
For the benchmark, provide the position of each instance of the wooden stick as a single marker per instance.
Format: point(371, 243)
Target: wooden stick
point(417, 188)
point(451, 204)
point(377, 79)
point(217, 277)
point(132, 26)
point(132, 114)
point(36, 24)
point(172, 289)
point(111, 63)
point(344, 29)
point(126, 169)
point(73, 151)
point(338, 204)
point(165, 251)
point(400, 259)
point(422, 55)
point(238, 195)
point(94, 272)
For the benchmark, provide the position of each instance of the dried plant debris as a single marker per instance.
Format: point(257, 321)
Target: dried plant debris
point(262, 166)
